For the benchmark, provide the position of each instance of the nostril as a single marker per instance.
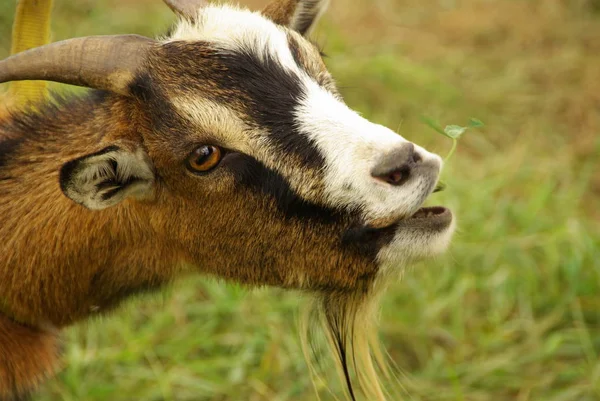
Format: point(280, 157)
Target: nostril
point(395, 168)
point(396, 177)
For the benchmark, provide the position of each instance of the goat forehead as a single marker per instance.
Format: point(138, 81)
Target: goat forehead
point(237, 29)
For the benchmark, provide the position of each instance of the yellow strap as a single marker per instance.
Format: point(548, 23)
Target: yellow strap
point(31, 29)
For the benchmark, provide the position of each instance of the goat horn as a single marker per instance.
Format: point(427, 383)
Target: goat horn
point(100, 62)
point(186, 8)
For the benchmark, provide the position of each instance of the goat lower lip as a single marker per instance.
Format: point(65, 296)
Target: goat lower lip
point(430, 212)
point(430, 218)
point(434, 216)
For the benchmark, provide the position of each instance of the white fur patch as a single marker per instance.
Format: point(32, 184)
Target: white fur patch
point(237, 29)
point(418, 243)
point(352, 146)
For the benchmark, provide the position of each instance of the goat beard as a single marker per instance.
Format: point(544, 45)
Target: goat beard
point(349, 322)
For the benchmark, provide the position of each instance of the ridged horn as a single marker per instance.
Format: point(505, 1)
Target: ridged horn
point(100, 62)
point(186, 8)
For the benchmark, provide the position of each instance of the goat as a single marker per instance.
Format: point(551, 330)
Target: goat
point(224, 148)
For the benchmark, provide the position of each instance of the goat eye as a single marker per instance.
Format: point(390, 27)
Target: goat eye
point(204, 159)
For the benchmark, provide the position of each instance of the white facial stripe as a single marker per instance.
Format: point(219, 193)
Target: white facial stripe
point(352, 146)
point(238, 29)
point(218, 120)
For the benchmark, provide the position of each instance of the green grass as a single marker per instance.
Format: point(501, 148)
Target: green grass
point(512, 312)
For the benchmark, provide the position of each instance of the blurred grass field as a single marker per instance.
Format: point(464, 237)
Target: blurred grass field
point(512, 312)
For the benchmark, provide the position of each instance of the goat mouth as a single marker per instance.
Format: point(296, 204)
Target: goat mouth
point(426, 219)
point(425, 216)
point(432, 213)
point(434, 218)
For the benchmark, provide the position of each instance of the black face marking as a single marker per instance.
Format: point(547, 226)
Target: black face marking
point(274, 94)
point(252, 174)
point(164, 117)
point(368, 240)
point(267, 92)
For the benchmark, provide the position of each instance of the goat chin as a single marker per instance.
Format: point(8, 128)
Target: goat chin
point(348, 320)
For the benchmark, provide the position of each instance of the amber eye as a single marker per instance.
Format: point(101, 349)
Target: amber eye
point(204, 159)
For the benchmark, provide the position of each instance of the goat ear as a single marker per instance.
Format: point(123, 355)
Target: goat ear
point(107, 177)
point(299, 15)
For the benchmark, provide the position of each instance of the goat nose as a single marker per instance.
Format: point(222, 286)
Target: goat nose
point(396, 167)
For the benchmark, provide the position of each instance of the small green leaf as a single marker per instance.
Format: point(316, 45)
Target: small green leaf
point(455, 131)
point(475, 123)
point(433, 124)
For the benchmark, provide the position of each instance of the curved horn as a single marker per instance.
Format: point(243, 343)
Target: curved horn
point(100, 62)
point(186, 8)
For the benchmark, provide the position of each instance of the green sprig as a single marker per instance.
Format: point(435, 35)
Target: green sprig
point(453, 132)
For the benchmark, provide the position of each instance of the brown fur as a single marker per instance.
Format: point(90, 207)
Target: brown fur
point(281, 12)
point(61, 263)
point(28, 355)
point(296, 14)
